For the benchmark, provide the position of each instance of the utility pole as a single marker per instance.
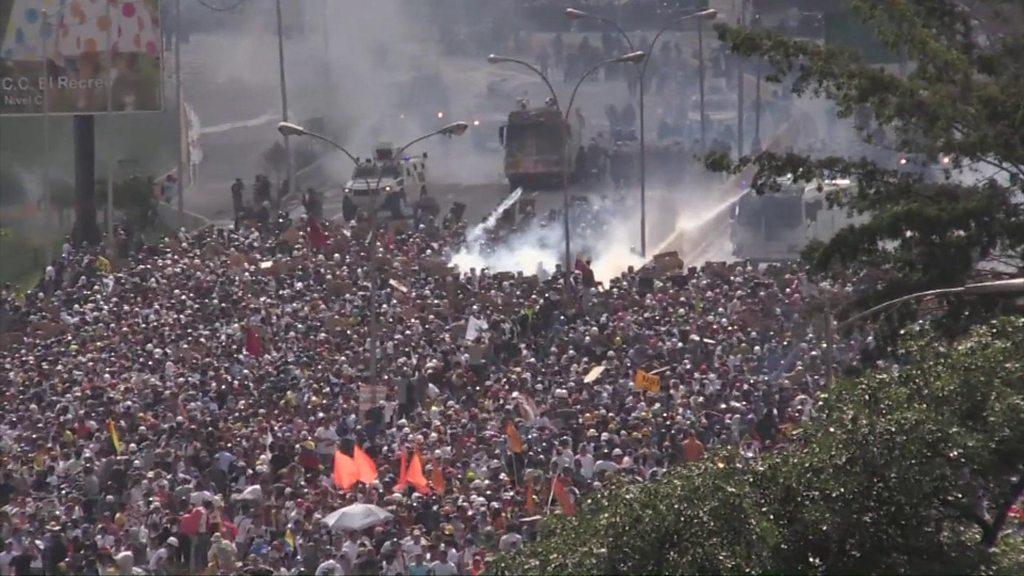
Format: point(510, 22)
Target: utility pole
point(329, 93)
point(46, 110)
point(741, 21)
point(284, 100)
point(757, 94)
point(700, 66)
point(179, 109)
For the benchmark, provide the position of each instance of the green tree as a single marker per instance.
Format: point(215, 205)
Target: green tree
point(957, 109)
point(908, 470)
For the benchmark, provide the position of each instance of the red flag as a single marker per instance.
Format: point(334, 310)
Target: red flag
point(228, 530)
point(253, 344)
point(437, 478)
point(562, 495)
point(403, 479)
point(365, 467)
point(515, 441)
point(189, 523)
point(415, 476)
point(345, 472)
point(531, 505)
point(315, 235)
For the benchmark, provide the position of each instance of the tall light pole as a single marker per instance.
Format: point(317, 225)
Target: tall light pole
point(634, 57)
point(999, 287)
point(284, 100)
point(454, 129)
point(180, 109)
point(574, 14)
point(46, 108)
point(700, 73)
point(741, 20)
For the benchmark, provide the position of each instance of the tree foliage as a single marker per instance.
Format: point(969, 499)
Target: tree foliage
point(957, 114)
point(912, 469)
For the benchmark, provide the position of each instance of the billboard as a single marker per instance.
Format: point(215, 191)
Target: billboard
point(80, 57)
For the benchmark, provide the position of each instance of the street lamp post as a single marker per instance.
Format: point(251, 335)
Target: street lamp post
point(634, 57)
point(284, 101)
point(1011, 286)
point(454, 129)
point(180, 108)
point(574, 14)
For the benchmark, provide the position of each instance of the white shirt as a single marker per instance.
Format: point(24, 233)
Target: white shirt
point(159, 557)
point(5, 563)
point(351, 550)
point(509, 542)
point(326, 440)
point(587, 465)
point(445, 568)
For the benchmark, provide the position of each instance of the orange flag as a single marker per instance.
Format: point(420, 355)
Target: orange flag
point(437, 478)
point(531, 505)
point(345, 472)
point(365, 468)
point(515, 441)
point(415, 476)
point(562, 495)
point(403, 476)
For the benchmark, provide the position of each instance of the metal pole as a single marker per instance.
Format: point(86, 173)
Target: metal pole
point(757, 104)
point(329, 93)
point(565, 218)
point(700, 65)
point(179, 109)
point(374, 283)
point(643, 163)
point(46, 116)
point(740, 20)
point(284, 100)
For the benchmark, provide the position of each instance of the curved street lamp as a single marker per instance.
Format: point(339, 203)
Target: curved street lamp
point(635, 57)
point(709, 14)
point(453, 129)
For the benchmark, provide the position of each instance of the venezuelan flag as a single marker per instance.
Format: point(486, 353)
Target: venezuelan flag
point(115, 437)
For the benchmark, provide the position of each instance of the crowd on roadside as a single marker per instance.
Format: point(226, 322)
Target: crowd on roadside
point(179, 410)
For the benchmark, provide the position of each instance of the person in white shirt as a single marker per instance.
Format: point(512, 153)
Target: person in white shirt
point(326, 441)
point(350, 549)
point(411, 546)
point(587, 461)
point(511, 540)
point(158, 563)
point(104, 540)
point(442, 566)
point(5, 559)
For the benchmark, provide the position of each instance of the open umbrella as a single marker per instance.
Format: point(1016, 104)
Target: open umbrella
point(356, 517)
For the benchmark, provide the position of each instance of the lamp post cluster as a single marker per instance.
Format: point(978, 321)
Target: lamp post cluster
point(454, 129)
point(635, 57)
point(710, 14)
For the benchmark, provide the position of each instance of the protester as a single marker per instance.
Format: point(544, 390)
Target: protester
point(191, 408)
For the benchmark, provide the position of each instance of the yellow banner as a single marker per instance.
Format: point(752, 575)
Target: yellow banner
point(648, 382)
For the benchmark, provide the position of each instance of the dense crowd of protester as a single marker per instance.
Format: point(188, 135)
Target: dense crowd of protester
point(181, 410)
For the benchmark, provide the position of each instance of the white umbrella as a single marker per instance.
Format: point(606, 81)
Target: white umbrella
point(356, 517)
